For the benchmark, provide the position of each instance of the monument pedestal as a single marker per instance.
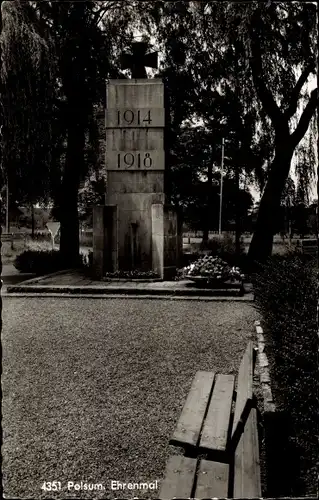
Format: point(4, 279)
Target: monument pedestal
point(105, 248)
point(134, 193)
point(166, 241)
point(163, 234)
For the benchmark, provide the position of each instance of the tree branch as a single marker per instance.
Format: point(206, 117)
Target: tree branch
point(294, 96)
point(106, 6)
point(264, 94)
point(305, 118)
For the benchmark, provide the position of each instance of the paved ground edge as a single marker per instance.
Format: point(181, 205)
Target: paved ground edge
point(269, 405)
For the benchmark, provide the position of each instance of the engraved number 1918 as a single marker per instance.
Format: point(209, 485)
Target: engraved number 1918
point(130, 160)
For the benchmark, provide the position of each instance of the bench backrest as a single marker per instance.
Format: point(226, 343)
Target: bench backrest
point(6, 237)
point(309, 246)
point(244, 394)
point(12, 236)
point(247, 483)
point(244, 441)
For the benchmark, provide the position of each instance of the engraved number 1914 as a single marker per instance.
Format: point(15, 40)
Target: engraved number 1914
point(129, 117)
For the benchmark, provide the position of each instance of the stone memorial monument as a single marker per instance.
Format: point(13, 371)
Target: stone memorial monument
point(135, 230)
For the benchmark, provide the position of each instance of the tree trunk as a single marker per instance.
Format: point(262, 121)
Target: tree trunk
point(207, 219)
point(7, 207)
point(205, 234)
point(69, 229)
point(237, 215)
point(32, 221)
point(262, 241)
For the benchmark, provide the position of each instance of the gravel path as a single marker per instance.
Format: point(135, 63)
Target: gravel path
point(92, 388)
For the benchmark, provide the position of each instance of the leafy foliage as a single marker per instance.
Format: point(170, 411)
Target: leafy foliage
point(27, 61)
point(92, 193)
point(43, 262)
point(195, 180)
point(286, 295)
point(84, 48)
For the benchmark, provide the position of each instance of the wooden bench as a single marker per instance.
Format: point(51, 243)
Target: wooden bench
point(310, 246)
point(221, 451)
point(10, 237)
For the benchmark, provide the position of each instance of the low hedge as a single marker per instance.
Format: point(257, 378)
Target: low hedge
point(225, 248)
point(286, 295)
point(43, 261)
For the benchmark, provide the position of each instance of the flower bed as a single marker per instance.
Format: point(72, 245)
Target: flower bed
point(131, 275)
point(212, 271)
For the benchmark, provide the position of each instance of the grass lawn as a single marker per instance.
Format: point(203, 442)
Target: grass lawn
point(9, 254)
point(280, 247)
point(92, 389)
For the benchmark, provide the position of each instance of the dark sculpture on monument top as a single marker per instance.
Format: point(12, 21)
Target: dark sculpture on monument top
point(139, 59)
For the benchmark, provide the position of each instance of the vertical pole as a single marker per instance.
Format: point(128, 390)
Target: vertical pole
point(221, 190)
point(237, 217)
point(7, 207)
point(289, 221)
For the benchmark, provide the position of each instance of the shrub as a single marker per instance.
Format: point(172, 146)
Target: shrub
point(86, 238)
point(42, 262)
point(41, 236)
point(224, 243)
point(225, 248)
point(286, 296)
point(189, 258)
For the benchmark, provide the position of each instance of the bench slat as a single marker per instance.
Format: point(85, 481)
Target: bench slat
point(244, 396)
point(246, 465)
point(215, 431)
point(179, 478)
point(212, 480)
point(189, 425)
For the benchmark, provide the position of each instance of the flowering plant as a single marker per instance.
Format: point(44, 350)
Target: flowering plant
point(212, 268)
point(134, 274)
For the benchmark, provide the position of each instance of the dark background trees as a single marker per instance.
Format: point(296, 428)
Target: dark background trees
point(236, 71)
point(263, 54)
point(27, 61)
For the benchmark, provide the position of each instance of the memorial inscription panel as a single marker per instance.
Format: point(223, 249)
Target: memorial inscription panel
point(134, 133)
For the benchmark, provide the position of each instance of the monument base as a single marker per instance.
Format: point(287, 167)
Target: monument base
point(104, 240)
point(166, 242)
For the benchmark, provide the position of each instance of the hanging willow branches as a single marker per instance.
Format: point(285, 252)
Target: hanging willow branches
point(27, 83)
